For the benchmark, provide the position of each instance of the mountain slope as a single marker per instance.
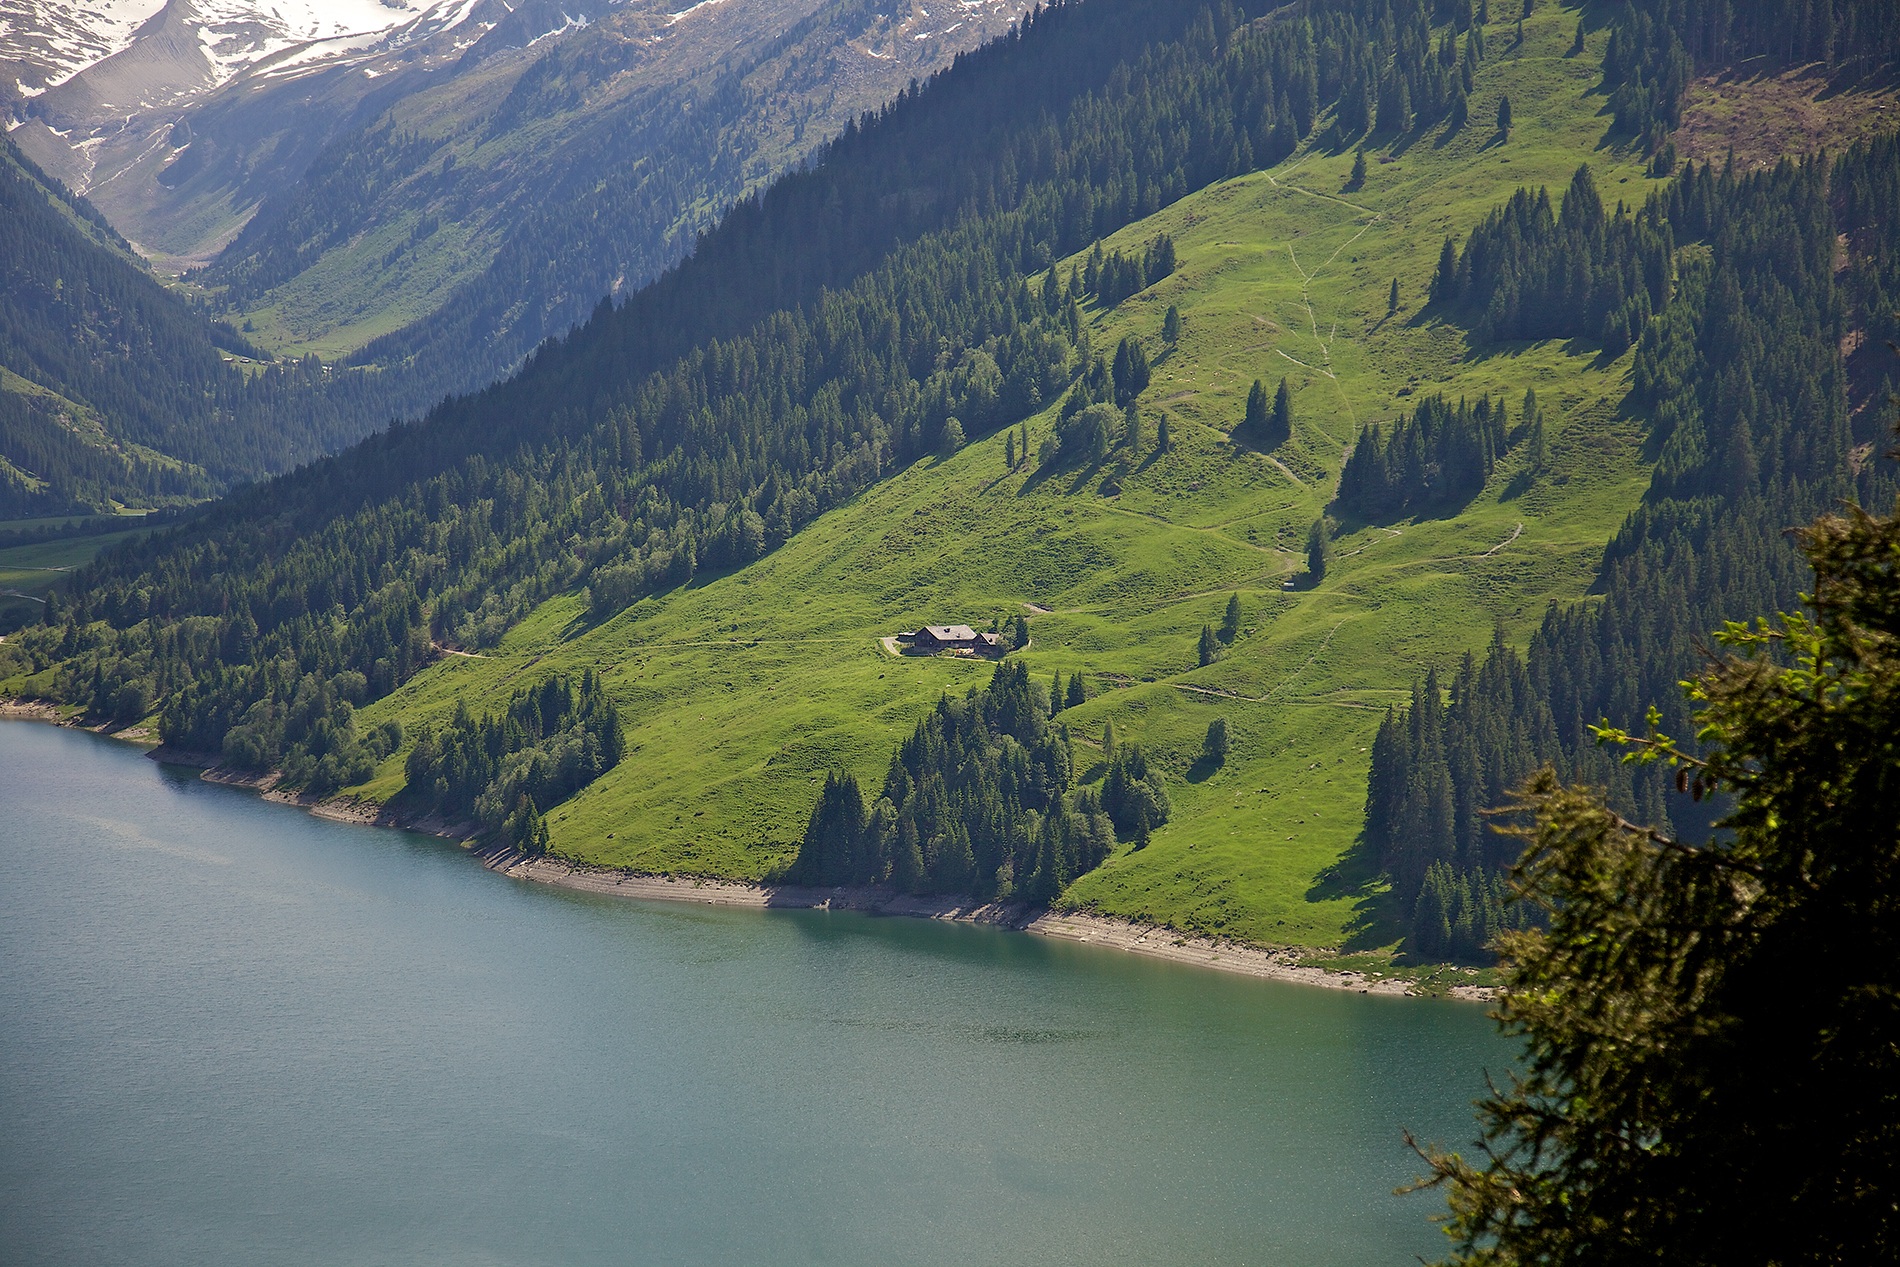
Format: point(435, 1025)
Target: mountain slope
point(720, 497)
point(102, 370)
point(740, 692)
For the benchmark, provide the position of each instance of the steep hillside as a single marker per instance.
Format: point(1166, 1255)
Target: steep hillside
point(910, 385)
point(118, 389)
point(740, 692)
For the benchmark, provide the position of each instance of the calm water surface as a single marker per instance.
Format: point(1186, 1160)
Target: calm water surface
point(232, 1033)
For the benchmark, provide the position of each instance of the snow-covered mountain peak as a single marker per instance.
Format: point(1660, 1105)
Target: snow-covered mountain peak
point(152, 53)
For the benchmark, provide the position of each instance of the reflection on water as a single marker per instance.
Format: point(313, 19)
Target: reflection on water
point(236, 1033)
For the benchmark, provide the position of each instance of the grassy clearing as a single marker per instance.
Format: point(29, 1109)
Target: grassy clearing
point(29, 572)
point(740, 690)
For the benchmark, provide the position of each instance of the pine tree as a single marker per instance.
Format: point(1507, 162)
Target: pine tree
point(1255, 420)
point(1445, 280)
point(1319, 550)
point(1130, 371)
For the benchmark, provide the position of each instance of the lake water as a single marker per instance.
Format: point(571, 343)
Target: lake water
point(234, 1033)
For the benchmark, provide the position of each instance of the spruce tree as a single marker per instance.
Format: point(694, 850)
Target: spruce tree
point(1504, 117)
point(1163, 441)
point(1358, 180)
point(1280, 428)
point(1445, 280)
point(1392, 299)
point(1078, 692)
point(1171, 326)
point(1209, 646)
point(1230, 621)
point(1131, 427)
point(1009, 451)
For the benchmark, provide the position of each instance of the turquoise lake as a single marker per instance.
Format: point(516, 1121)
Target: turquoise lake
point(234, 1033)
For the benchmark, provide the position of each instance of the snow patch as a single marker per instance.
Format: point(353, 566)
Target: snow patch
point(567, 24)
point(689, 9)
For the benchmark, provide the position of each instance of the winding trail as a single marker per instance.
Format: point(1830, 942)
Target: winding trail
point(1515, 534)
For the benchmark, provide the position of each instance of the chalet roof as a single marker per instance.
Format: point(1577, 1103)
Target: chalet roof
point(951, 633)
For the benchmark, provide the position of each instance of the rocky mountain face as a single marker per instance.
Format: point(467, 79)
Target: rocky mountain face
point(111, 100)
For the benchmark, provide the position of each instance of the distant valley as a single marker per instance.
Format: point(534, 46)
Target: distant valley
point(420, 194)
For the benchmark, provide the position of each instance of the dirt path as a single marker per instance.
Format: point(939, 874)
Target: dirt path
point(1515, 534)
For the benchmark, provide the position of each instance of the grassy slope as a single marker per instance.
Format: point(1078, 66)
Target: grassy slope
point(740, 690)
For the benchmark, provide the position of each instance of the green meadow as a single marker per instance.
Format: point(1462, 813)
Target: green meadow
point(740, 690)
